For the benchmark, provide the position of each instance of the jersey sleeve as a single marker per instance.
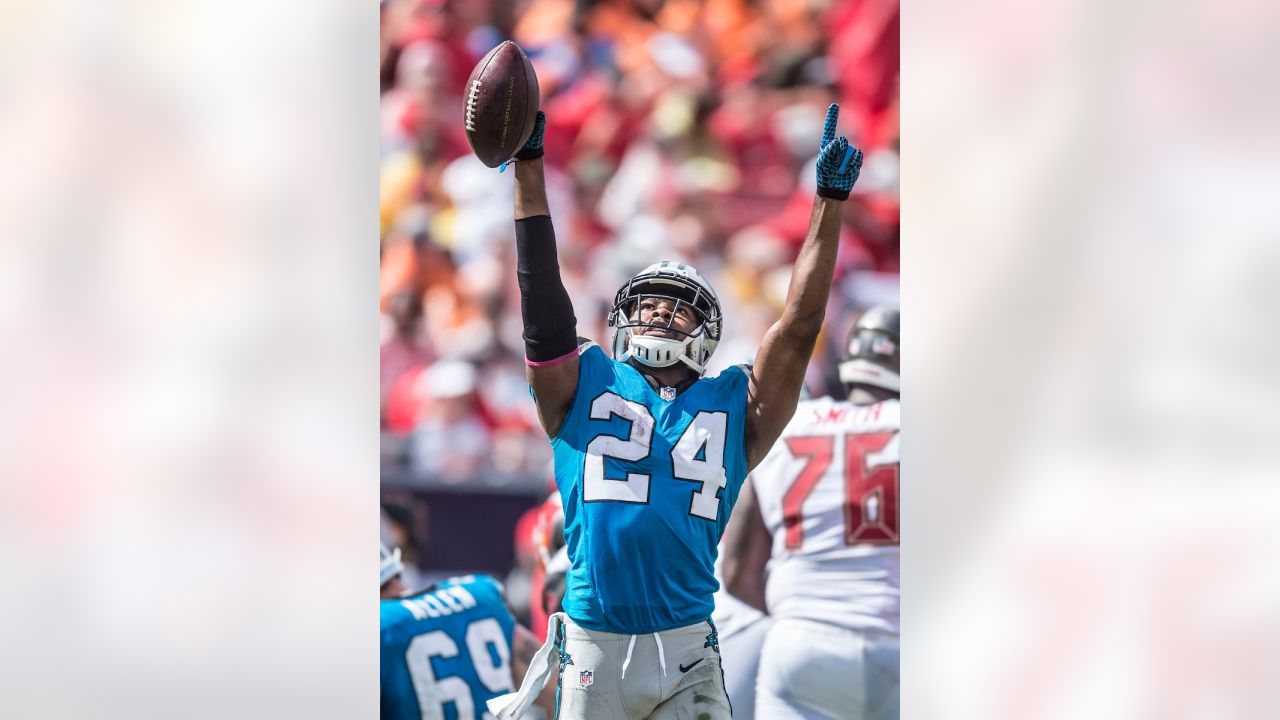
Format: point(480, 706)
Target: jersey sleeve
point(734, 381)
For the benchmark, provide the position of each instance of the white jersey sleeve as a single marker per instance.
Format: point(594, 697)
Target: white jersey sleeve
point(828, 492)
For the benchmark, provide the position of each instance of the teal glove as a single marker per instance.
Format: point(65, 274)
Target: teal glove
point(838, 162)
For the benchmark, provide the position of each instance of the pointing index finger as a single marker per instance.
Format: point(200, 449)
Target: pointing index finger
point(829, 127)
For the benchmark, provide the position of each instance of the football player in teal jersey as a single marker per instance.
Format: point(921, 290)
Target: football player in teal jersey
point(448, 649)
point(650, 454)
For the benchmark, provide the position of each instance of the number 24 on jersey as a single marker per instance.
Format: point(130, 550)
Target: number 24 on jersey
point(698, 456)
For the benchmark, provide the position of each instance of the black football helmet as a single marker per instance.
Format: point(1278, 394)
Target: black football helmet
point(872, 356)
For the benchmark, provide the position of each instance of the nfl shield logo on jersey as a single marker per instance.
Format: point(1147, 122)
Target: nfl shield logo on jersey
point(668, 394)
point(584, 677)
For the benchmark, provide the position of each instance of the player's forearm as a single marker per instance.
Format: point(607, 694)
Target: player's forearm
point(550, 328)
point(747, 546)
point(749, 590)
point(531, 189)
point(744, 578)
point(812, 275)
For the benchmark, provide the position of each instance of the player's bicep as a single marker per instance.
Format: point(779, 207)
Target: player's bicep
point(554, 387)
point(773, 390)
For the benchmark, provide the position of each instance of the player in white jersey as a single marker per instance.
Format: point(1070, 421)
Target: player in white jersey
point(821, 514)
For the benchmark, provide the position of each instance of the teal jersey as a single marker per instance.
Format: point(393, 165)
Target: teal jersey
point(647, 479)
point(446, 650)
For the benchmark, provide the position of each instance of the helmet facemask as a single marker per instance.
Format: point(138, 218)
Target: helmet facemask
point(681, 287)
point(390, 564)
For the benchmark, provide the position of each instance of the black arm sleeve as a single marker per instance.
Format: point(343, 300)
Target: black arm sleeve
point(550, 328)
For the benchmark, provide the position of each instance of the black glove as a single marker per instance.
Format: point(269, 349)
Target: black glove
point(532, 149)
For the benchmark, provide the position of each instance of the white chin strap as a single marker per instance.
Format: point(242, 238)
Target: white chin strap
point(867, 373)
point(659, 351)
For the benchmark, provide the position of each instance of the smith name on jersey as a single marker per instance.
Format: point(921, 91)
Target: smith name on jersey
point(648, 479)
point(828, 493)
point(446, 651)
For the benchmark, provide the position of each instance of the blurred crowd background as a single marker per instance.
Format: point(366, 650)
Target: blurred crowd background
point(682, 130)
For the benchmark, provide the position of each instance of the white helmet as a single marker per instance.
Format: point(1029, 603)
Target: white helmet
point(683, 285)
point(390, 565)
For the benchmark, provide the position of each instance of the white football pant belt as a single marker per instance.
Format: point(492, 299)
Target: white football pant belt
point(513, 705)
point(662, 659)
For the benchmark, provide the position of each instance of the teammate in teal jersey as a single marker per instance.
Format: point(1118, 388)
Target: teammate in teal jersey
point(650, 455)
point(448, 649)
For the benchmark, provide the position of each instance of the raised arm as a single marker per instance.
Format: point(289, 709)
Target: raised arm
point(550, 328)
point(786, 347)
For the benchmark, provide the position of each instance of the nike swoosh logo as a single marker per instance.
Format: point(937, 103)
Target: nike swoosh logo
point(687, 668)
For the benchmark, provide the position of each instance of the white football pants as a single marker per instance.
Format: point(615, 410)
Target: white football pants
point(741, 651)
point(815, 671)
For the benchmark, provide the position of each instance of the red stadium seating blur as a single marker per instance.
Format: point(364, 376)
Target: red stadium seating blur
point(682, 129)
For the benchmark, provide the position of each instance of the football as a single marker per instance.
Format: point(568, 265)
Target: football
point(501, 104)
